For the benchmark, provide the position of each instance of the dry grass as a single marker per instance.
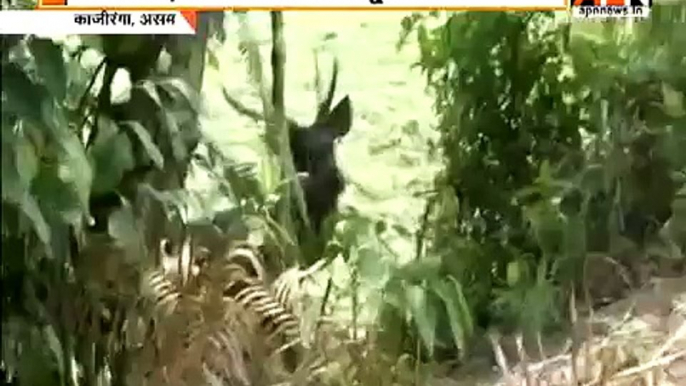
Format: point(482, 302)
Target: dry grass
point(642, 345)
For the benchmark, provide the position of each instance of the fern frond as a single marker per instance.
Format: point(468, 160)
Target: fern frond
point(163, 292)
point(288, 289)
point(224, 357)
point(247, 256)
point(275, 319)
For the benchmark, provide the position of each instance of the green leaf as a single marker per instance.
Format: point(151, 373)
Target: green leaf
point(75, 168)
point(12, 187)
point(54, 345)
point(418, 270)
point(111, 156)
point(19, 168)
point(373, 269)
point(179, 90)
point(170, 123)
point(150, 89)
point(459, 314)
point(123, 228)
point(26, 161)
point(50, 66)
point(32, 210)
point(147, 142)
point(423, 314)
point(22, 96)
point(58, 200)
point(55, 118)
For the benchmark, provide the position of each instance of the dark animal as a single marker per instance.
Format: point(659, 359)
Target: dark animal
point(313, 153)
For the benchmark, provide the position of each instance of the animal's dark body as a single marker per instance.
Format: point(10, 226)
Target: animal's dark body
point(313, 154)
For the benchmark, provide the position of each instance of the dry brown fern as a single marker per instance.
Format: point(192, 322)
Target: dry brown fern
point(220, 322)
point(195, 337)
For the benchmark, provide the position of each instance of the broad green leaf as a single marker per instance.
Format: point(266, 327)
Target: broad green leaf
point(19, 168)
point(423, 314)
point(150, 89)
point(12, 187)
point(50, 66)
point(111, 156)
point(57, 124)
point(147, 142)
point(418, 270)
point(463, 306)
point(123, 228)
point(33, 212)
point(268, 174)
point(26, 161)
point(179, 90)
point(75, 168)
point(21, 95)
point(459, 314)
point(54, 345)
point(57, 198)
point(374, 270)
point(179, 149)
point(164, 197)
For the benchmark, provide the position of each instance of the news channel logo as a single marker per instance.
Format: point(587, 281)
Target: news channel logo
point(605, 9)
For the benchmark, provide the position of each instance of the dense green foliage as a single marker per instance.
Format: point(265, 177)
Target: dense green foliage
point(559, 140)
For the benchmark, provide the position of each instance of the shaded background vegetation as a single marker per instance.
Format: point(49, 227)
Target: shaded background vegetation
point(550, 165)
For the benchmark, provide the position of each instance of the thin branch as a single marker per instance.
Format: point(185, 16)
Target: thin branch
point(278, 66)
point(278, 61)
point(280, 130)
point(252, 113)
